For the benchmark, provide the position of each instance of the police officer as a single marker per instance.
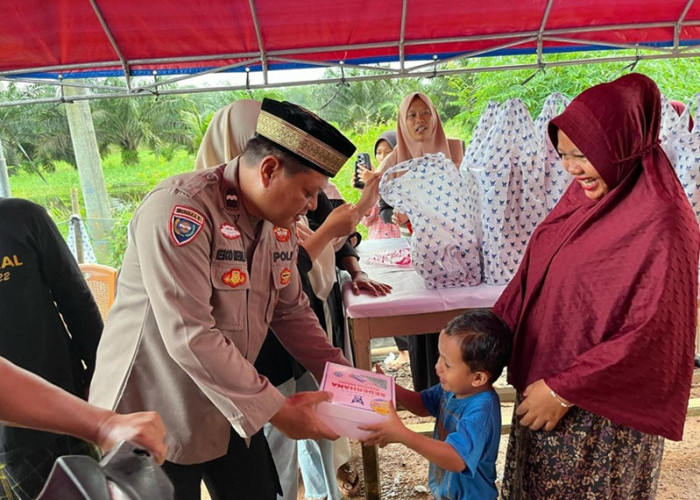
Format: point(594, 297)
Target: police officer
point(209, 267)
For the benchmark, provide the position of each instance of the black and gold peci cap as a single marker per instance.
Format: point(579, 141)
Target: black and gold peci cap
point(315, 142)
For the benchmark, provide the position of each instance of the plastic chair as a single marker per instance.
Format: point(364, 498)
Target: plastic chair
point(102, 281)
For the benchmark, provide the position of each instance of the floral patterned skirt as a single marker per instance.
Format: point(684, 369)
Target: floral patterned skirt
point(585, 457)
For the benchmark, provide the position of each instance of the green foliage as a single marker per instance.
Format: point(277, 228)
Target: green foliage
point(142, 140)
point(35, 136)
point(677, 79)
point(126, 186)
point(356, 105)
point(118, 236)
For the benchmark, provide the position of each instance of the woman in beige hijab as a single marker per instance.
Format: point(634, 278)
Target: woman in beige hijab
point(228, 132)
point(418, 132)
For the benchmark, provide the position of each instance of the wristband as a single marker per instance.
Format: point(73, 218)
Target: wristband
point(559, 400)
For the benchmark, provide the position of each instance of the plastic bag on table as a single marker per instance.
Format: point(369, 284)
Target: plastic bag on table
point(399, 257)
point(444, 247)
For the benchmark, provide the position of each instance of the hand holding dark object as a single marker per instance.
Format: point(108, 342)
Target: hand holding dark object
point(32, 402)
point(126, 472)
point(362, 163)
point(143, 428)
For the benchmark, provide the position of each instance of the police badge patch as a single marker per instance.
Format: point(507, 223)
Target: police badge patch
point(185, 224)
point(281, 233)
point(285, 276)
point(229, 231)
point(234, 277)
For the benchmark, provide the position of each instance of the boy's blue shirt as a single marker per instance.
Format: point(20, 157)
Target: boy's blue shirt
point(472, 426)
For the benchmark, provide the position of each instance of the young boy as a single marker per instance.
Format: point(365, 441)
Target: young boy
point(474, 348)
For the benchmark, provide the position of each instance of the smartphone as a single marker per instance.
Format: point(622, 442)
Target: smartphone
point(362, 160)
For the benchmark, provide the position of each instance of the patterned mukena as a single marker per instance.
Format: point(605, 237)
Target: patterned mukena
point(444, 246)
point(683, 150)
point(510, 179)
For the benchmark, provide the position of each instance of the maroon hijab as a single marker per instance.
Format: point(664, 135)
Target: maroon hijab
point(604, 303)
point(679, 107)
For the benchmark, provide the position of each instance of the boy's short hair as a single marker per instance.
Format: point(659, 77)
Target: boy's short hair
point(485, 340)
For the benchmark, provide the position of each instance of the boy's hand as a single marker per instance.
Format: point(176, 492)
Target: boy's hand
point(392, 430)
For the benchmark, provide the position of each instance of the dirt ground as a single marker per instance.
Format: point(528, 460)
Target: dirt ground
point(404, 473)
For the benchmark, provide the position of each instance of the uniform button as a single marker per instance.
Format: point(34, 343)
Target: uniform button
point(211, 176)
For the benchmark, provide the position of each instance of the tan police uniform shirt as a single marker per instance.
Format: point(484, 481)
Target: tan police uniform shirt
point(196, 294)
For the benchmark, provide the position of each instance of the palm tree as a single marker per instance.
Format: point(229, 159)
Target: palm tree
point(34, 136)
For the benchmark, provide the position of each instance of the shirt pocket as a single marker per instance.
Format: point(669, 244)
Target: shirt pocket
point(230, 285)
point(280, 277)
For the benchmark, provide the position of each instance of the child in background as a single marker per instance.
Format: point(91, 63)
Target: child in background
point(379, 229)
point(474, 348)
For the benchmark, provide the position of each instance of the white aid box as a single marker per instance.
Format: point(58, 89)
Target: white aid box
point(359, 397)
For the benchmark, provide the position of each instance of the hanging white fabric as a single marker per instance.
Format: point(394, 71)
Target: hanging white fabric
point(474, 150)
point(683, 148)
point(471, 166)
point(75, 225)
point(429, 189)
point(513, 202)
point(556, 179)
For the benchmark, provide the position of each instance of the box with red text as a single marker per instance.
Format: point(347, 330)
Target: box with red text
point(359, 397)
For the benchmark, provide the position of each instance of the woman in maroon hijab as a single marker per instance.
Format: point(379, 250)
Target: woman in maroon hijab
point(603, 308)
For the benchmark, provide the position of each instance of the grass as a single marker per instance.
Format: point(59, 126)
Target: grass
point(126, 186)
point(123, 182)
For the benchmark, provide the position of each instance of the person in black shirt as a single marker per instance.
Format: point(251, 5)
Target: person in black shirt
point(51, 327)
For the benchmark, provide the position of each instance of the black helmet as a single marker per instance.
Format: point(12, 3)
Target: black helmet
point(125, 473)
